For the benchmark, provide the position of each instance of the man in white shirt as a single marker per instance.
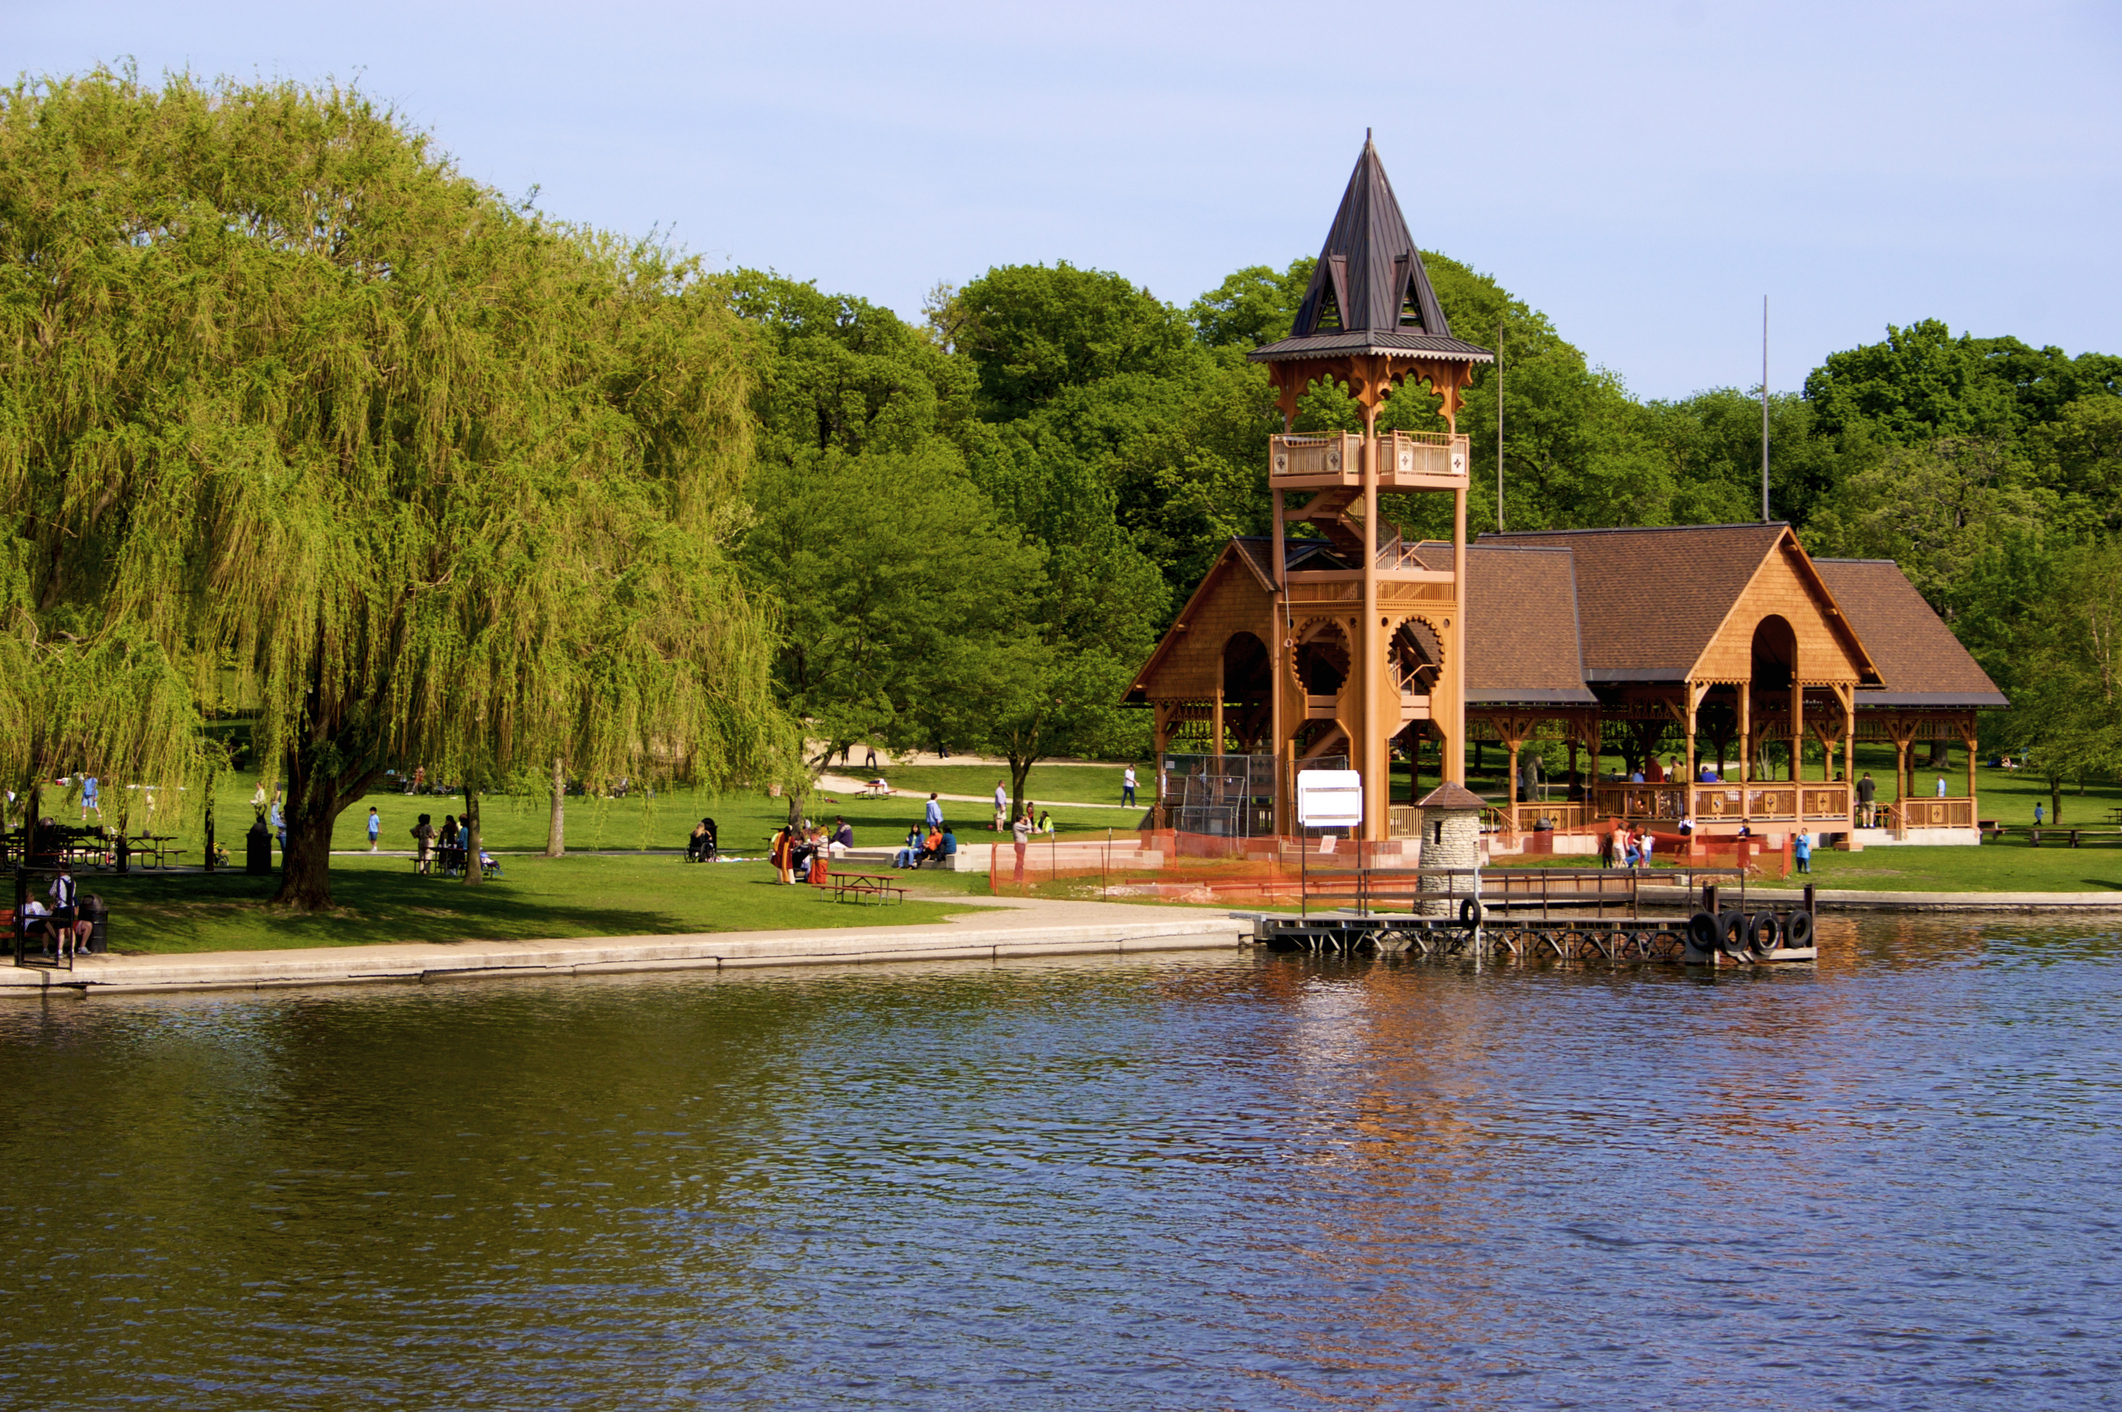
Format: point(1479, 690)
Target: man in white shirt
point(1127, 786)
point(1941, 786)
point(1001, 806)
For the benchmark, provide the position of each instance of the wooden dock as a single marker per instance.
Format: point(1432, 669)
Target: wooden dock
point(1590, 915)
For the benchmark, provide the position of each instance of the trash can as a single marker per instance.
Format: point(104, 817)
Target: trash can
point(258, 849)
point(93, 910)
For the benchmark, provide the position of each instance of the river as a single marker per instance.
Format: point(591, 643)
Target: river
point(1188, 1182)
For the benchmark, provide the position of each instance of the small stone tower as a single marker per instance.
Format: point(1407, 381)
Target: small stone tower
point(1451, 838)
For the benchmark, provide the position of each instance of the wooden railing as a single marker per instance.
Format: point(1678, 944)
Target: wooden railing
point(1639, 801)
point(1827, 801)
point(1409, 459)
point(1403, 821)
point(1523, 818)
point(1414, 458)
point(1931, 814)
point(1333, 454)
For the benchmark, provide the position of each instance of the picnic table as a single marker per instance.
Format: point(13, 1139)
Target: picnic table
point(862, 886)
point(155, 845)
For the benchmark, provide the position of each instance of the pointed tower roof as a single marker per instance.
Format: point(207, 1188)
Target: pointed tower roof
point(1370, 293)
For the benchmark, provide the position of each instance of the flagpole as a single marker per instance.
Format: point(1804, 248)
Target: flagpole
point(1764, 409)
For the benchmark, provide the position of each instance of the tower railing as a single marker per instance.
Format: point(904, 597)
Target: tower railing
point(1412, 460)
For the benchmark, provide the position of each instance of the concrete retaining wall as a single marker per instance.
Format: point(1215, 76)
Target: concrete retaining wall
point(409, 963)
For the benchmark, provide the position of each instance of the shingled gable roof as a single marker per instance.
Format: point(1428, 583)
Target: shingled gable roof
point(1651, 600)
point(1253, 553)
point(1370, 274)
point(1522, 628)
point(1921, 662)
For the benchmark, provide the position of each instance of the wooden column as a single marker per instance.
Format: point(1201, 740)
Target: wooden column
point(1160, 733)
point(1695, 692)
point(1967, 739)
point(1215, 722)
point(1373, 757)
point(1847, 693)
point(1454, 724)
point(1797, 735)
point(1746, 736)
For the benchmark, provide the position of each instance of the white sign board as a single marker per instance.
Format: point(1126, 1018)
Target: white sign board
point(1329, 799)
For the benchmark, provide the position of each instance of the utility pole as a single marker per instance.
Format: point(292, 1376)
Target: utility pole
point(1764, 409)
point(1499, 428)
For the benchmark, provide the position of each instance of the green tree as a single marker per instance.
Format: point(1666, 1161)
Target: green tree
point(1921, 383)
point(2067, 699)
point(1252, 307)
point(1032, 331)
point(442, 481)
point(1937, 509)
point(894, 575)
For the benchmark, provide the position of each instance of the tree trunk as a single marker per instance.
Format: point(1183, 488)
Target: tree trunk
point(316, 794)
point(208, 859)
point(311, 808)
point(556, 827)
point(473, 873)
point(2055, 799)
point(1020, 769)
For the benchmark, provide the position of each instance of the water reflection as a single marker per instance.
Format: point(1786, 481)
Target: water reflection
point(1176, 1182)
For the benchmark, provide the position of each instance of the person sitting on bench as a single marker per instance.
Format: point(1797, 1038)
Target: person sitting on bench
point(910, 850)
point(931, 847)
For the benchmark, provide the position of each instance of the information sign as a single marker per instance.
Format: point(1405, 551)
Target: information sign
point(1329, 799)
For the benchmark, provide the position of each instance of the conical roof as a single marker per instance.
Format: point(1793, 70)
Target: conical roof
point(1451, 796)
point(1370, 292)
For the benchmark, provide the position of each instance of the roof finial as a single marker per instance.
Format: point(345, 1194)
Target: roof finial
point(1366, 137)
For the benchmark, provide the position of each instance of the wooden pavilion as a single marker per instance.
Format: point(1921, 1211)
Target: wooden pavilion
point(1334, 638)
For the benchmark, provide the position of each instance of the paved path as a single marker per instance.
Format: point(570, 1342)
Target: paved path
point(841, 784)
point(1018, 927)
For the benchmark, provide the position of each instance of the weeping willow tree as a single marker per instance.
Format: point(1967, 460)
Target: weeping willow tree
point(297, 419)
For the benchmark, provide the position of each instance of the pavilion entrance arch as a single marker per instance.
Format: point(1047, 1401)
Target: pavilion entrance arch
point(1248, 694)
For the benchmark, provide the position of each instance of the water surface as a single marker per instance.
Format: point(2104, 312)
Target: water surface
point(1178, 1182)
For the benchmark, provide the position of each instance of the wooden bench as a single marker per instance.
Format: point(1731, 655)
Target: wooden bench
point(864, 885)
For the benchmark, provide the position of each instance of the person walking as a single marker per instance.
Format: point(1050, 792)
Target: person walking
point(375, 827)
point(277, 821)
point(1801, 850)
point(1867, 791)
point(933, 814)
point(1127, 785)
point(1001, 806)
point(1941, 786)
point(91, 798)
point(870, 763)
point(423, 844)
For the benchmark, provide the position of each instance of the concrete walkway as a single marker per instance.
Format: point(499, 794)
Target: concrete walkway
point(841, 784)
point(1021, 927)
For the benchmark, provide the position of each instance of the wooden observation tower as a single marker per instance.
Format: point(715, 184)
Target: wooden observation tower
point(1373, 629)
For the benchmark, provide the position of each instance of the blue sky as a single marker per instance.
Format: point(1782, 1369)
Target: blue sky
point(1645, 173)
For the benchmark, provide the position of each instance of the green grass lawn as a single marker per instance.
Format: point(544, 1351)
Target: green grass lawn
point(2010, 866)
point(508, 823)
point(382, 900)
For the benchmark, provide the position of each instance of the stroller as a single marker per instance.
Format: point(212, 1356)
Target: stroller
point(701, 847)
